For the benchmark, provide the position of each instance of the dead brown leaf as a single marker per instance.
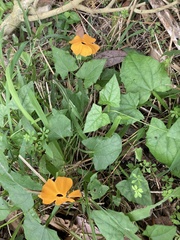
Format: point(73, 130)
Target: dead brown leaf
point(79, 30)
point(113, 57)
point(168, 21)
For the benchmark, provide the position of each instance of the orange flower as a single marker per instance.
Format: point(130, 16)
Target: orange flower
point(84, 45)
point(57, 191)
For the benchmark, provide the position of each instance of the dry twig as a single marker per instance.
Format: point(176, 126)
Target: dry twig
point(16, 17)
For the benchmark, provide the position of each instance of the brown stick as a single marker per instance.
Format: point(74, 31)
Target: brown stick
point(16, 17)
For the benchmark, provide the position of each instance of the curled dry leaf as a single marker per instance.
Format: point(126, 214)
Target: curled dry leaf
point(113, 57)
point(79, 30)
point(168, 21)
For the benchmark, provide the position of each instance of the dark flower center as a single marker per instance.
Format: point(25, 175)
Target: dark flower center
point(59, 195)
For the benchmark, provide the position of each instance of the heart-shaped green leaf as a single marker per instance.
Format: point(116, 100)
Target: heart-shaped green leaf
point(105, 150)
point(95, 119)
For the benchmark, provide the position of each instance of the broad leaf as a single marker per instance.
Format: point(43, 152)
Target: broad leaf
point(95, 119)
point(34, 230)
point(105, 150)
point(17, 194)
point(142, 74)
point(159, 232)
point(91, 71)
point(126, 187)
point(128, 109)
point(59, 126)
point(54, 154)
point(142, 213)
point(114, 225)
point(174, 131)
point(110, 94)
point(64, 62)
point(24, 96)
point(96, 188)
point(175, 166)
point(26, 182)
point(163, 147)
point(4, 209)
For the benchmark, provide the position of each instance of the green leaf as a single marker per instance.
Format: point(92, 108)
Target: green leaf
point(54, 154)
point(26, 58)
point(175, 166)
point(17, 194)
point(174, 131)
point(64, 62)
point(110, 94)
point(24, 97)
point(95, 119)
point(79, 99)
point(114, 225)
point(3, 112)
point(105, 150)
point(128, 109)
point(142, 213)
point(96, 188)
point(34, 230)
point(126, 187)
point(159, 232)
point(143, 74)
point(163, 147)
point(4, 209)
point(29, 101)
point(91, 71)
point(59, 125)
point(26, 182)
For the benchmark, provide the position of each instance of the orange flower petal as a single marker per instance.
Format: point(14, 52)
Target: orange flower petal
point(77, 48)
point(86, 50)
point(63, 184)
point(87, 39)
point(47, 200)
point(61, 200)
point(49, 188)
point(76, 39)
point(75, 194)
point(94, 48)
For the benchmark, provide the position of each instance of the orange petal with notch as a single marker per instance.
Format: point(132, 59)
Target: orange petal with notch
point(63, 185)
point(75, 194)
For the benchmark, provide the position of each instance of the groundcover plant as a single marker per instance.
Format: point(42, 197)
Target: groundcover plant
point(89, 120)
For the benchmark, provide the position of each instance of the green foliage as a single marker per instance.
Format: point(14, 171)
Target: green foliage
point(104, 150)
point(128, 109)
point(174, 131)
point(141, 74)
point(33, 229)
point(66, 111)
point(110, 94)
point(17, 194)
point(142, 213)
point(64, 62)
point(4, 209)
point(96, 188)
point(95, 119)
point(163, 146)
point(158, 232)
point(59, 125)
point(136, 188)
point(114, 225)
point(90, 71)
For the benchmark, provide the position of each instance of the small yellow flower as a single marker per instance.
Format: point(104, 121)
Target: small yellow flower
point(58, 191)
point(84, 45)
